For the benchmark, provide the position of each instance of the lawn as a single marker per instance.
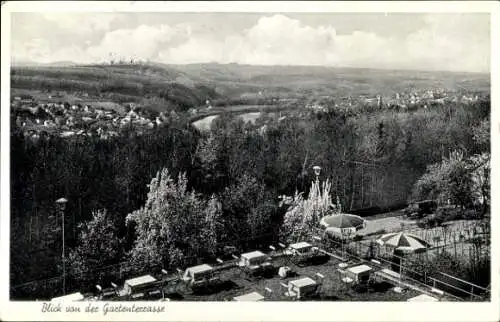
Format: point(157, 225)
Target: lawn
point(388, 224)
point(436, 236)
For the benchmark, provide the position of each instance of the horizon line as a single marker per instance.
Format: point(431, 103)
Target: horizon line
point(151, 62)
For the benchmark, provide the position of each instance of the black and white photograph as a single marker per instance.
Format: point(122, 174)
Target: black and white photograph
point(333, 156)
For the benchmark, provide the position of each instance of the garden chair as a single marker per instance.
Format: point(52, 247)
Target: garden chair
point(137, 296)
point(289, 295)
point(311, 293)
point(346, 280)
point(319, 278)
point(268, 293)
point(439, 293)
point(166, 299)
point(284, 271)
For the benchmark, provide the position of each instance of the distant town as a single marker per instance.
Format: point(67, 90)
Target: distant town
point(38, 117)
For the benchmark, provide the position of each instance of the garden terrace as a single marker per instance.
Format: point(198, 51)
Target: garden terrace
point(234, 282)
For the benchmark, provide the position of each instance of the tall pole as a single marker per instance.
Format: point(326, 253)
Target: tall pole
point(63, 259)
point(317, 170)
point(342, 240)
point(400, 270)
point(62, 205)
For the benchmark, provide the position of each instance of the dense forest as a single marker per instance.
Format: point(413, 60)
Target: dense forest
point(230, 179)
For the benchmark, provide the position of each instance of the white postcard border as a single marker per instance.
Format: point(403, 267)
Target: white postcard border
point(265, 311)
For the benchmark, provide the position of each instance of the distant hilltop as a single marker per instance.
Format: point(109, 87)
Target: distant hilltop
point(136, 61)
point(237, 81)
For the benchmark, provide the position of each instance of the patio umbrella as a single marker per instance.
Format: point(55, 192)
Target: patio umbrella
point(345, 224)
point(405, 243)
point(342, 222)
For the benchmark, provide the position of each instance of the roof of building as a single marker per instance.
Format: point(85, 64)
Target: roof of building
point(199, 269)
point(360, 269)
point(306, 281)
point(254, 296)
point(423, 298)
point(140, 280)
point(254, 254)
point(300, 245)
point(70, 297)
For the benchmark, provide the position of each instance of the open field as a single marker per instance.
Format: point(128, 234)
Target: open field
point(193, 84)
point(250, 117)
point(205, 123)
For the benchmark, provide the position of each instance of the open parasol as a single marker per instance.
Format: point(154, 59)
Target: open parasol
point(404, 242)
point(342, 223)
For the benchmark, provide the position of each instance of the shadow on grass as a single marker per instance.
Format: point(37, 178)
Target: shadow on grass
point(381, 287)
point(311, 261)
point(273, 272)
point(322, 297)
point(175, 296)
point(318, 260)
point(216, 288)
point(377, 287)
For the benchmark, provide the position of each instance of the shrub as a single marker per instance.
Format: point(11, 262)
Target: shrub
point(411, 210)
point(378, 232)
point(431, 221)
point(470, 214)
point(453, 213)
point(449, 213)
point(449, 180)
point(357, 238)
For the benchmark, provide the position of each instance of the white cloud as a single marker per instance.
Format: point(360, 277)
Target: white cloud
point(445, 42)
point(143, 42)
point(453, 42)
point(80, 23)
point(36, 49)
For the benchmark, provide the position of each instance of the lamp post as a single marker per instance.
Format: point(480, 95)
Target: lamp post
point(61, 203)
point(317, 170)
point(339, 205)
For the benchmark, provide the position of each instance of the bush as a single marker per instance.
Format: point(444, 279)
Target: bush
point(449, 213)
point(431, 221)
point(357, 238)
point(420, 208)
point(378, 232)
point(474, 269)
point(415, 215)
point(411, 210)
point(470, 214)
point(452, 213)
point(449, 180)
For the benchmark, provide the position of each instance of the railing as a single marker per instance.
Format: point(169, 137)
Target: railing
point(50, 287)
point(419, 278)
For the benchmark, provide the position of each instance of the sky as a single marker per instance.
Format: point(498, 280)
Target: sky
point(444, 41)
